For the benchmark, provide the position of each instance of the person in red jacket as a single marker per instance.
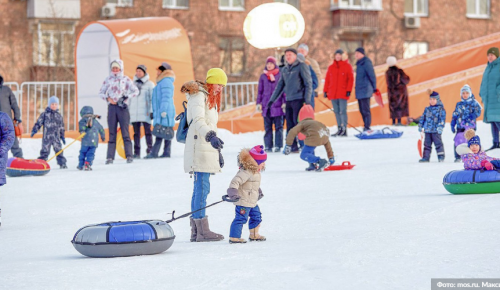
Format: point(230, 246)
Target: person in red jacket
point(338, 86)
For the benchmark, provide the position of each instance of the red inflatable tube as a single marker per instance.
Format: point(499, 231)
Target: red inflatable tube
point(23, 167)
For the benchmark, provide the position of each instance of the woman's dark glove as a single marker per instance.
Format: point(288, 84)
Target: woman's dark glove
point(215, 141)
point(221, 160)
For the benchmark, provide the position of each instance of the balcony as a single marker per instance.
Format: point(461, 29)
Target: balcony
point(355, 21)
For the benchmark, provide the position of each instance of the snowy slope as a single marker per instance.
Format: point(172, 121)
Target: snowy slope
point(386, 224)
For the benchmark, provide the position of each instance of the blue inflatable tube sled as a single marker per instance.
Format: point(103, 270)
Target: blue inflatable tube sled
point(122, 239)
point(472, 181)
point(380, 134)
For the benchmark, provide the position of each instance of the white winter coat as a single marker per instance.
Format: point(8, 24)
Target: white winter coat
point(140, 107)
point(199, 155)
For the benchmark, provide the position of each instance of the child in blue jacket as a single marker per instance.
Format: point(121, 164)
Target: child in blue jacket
point(432, 123)
point(92, 129)
point(465, 115)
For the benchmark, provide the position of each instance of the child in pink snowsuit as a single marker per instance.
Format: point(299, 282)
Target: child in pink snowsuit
point(473, 157)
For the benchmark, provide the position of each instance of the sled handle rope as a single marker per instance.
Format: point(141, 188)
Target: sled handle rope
point(334, 112)
point(60, 151)
point(189, 213)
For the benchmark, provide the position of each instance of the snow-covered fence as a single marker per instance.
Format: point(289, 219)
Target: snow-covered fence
point(34, 97)
point(238, 94)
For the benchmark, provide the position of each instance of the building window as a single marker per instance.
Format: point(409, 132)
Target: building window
point(232, 55)
point(349, 46)
point(414, 48)
point(121, 3)
point(294, 3)
point(416, 7)
point(176, 4)
point(53, 44)
point(234, 5)
point(356, 4)
point(478, 8)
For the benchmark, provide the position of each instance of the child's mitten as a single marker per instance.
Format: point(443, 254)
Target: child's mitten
point(232, 195)
point(486, 165)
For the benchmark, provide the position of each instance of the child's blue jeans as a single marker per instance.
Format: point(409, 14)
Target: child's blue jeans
point(87, 153)
point(242, 214)
point(307, 154)
point(200, 193)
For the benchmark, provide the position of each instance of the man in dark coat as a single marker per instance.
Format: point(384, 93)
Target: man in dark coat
point(296, 82)
point(8, 103)
point(366, 85)
point(397, 91)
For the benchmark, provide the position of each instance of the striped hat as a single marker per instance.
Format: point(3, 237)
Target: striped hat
point(258, 154)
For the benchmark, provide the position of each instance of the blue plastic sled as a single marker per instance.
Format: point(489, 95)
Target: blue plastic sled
point(380, 134)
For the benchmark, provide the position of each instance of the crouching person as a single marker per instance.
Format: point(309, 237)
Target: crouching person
point(316, 134)
point(245, 191)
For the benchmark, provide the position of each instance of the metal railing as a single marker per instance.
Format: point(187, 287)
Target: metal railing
point(35, 96)
point(32, 98)
point(238, 94)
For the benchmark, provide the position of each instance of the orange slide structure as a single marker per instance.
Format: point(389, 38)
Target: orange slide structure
point(444, 70)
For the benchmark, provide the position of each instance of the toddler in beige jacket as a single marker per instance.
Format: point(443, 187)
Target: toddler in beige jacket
point(244, 191)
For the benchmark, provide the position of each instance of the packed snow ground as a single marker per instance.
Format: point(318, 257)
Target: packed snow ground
point(386, 224)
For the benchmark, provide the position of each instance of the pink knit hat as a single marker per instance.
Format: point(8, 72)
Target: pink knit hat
point(258, 154)
point(271, 59)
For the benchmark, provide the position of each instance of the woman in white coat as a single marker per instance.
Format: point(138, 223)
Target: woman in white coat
point(141, 111)
point(202, 155)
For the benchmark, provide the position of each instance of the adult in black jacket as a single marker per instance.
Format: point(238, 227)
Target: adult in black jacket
point(296, 82)
point(8, 103)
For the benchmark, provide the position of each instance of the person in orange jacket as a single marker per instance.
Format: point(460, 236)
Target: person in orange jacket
point(338, 86)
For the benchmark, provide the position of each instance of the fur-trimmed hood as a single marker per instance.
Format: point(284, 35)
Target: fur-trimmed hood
point(144, 79)
point(193, 87)
point(122, 67)
point(246, 161)
point(166, 74)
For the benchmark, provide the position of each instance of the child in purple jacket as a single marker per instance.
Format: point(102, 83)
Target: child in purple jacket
point(273, 115)
point(473, 157)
